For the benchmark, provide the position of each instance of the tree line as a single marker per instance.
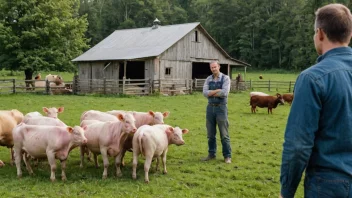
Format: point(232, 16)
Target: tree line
point(47, 34)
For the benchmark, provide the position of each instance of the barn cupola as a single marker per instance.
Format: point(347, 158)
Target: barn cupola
point(156, 23)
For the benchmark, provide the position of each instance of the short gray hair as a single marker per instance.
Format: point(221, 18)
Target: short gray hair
point(214, 61)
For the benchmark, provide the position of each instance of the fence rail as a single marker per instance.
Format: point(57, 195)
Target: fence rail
point(133, 86)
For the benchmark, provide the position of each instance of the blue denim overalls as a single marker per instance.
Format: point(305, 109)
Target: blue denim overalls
point(217, 115)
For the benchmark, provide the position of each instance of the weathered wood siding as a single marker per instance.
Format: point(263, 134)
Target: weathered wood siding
point(84, 70)
point(149, 69)
point(187, 49)
point(112, 71)
point(179, 69)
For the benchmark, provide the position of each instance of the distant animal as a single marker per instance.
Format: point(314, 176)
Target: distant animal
point(2, 164)
point(38, 77)
point(288, 97)
point(261, 77)
point(54, 81)
point(257, 93)
point(266, 101)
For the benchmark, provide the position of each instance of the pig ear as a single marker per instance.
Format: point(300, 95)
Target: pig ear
point(60, 110)
point(70, 129)
point(169, 131)
point(120, 117)
point(45, 109)
point(184, 131)
point(151, 113)
point(166, 114)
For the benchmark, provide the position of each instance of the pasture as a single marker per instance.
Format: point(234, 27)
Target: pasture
point(256, 141)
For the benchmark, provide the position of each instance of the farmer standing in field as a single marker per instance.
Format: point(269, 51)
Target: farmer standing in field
point(216, 88)
point(318, 136)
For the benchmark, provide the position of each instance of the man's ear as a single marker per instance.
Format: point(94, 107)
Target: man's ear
point(321, 34)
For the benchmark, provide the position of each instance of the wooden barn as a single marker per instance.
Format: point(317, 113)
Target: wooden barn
point(174, 53)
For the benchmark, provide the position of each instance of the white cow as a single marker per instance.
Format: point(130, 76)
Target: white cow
point(153, 142)
point(97, 115)
point(104, 137)
point(41, 120)
point(49, 142)
point(142, 118)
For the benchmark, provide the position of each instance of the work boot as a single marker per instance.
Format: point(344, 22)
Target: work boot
point(228, 160)
point(209, 157)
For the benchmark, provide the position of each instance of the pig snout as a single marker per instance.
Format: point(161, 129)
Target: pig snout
point(134, 130)
point(85, 141)
point(181, 142)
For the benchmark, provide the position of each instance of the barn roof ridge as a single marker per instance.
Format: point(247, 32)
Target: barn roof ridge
point(139, 43)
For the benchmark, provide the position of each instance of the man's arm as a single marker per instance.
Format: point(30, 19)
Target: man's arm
point(206, 91)
point(302, 124)
point(225, 89)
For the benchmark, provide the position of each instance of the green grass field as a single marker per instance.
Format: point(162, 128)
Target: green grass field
point(256, 141)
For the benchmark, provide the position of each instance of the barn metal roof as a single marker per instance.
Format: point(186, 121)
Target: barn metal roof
point(128, 44)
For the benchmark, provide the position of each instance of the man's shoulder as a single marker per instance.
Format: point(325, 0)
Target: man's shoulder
point(225, 77)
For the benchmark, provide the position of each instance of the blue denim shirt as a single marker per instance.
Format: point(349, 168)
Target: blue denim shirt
point(318, 134)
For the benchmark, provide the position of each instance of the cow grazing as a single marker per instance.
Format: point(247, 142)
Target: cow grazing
point(153, 142)
point(142, 118)
point(288, 97)
point(257, 93)
point(265, 101)
point(261, 77)
point(49, 142)
point(104, 138)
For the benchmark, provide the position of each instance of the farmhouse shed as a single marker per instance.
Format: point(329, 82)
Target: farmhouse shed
point(173, 52)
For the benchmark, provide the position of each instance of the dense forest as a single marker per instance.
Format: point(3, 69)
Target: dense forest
point(48, 34)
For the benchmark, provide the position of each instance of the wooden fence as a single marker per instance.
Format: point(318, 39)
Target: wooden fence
point(134, 86)
point(34, 86)
point(286, 86)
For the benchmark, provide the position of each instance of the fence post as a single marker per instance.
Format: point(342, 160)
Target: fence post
point(269, 85)
point(14, 85)
point(123, 84)
point(150, 86)
point(289, 87)
point(104, 84)
point(250, 84)
point(191, 87)
point(47, 86)
point(195, 84)
point(160, 86)
point(75, 85)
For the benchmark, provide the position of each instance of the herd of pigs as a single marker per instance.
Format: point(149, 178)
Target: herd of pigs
point(34, 136)
point(112, 133)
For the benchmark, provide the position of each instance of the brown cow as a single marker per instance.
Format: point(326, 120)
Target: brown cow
point(288, 97)
point(266, 101)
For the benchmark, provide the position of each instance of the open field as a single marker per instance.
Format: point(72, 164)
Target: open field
point(256, 141)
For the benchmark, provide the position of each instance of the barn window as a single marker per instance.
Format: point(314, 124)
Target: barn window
point(196, 36)
point(168, 71)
